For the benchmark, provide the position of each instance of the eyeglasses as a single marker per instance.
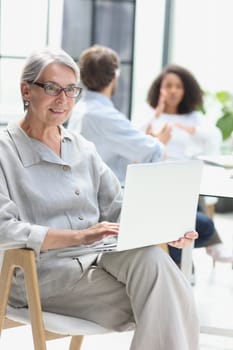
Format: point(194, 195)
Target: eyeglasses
point(53, 89)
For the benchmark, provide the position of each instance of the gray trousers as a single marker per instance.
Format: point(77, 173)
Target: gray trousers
point(141, 287)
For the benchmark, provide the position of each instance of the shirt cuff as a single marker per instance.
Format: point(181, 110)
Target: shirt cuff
point(36, 238)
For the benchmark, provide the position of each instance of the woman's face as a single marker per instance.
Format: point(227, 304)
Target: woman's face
point(46, 109)
point(172, 89)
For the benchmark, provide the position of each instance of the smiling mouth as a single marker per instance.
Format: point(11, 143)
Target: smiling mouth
point(57, 110)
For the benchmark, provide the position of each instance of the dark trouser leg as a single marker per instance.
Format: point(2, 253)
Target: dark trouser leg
point(206, 230)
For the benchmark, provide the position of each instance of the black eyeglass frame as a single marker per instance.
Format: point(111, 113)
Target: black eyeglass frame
point(78, 89)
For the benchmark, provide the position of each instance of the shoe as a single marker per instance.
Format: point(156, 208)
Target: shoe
point(220, 253)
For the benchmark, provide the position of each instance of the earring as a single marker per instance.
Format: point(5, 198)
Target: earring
point(26, 104)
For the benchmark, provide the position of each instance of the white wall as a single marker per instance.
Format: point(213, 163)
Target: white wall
point(23, 30)
point(148, 47)
point(203, 41)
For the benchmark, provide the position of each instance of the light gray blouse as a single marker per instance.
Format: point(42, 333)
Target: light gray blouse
point(39, 190)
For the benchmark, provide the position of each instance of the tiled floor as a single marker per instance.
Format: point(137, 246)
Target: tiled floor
point(214, 296)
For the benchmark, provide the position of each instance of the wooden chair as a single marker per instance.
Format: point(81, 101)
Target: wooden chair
point(45, 325)
point(164, 246)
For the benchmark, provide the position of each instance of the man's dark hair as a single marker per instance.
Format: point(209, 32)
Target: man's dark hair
point(192, 91)
point(98, 65)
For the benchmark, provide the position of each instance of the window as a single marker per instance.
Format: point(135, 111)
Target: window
point(25, 25)
point(148, 49)
point(202, 41)
point(74, 25)
point(104, 22)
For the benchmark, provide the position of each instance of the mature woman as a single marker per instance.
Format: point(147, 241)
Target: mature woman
point(56, 195)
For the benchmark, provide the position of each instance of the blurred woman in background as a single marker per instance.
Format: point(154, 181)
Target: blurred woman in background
point(173, 100)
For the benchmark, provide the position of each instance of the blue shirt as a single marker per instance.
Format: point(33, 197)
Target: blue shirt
point(116, 140)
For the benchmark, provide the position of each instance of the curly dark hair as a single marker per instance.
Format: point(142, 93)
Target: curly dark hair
point(193, 93)
point(98, 65)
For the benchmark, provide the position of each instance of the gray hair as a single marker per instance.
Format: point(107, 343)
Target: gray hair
point(39, 60)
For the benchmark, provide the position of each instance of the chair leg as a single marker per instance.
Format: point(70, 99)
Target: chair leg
point(24, 259)
point(164, 246)
point(210, 208)
point(76, 342)
point(5, 283)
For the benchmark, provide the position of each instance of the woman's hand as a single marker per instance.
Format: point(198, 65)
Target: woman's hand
point(99, 231)
point(189, 129)
point(164, 134)
point(161, 103)
point(184, 241)
point(60, 238)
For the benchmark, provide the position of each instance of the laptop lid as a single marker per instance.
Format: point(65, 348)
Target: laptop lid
point(160, 202)
point(159, 205)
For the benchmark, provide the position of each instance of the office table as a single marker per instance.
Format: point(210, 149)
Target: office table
point(216, 182)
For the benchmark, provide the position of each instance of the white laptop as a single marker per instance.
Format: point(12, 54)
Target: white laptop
point(159, 205)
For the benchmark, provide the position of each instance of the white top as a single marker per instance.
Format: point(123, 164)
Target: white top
point(182, 145)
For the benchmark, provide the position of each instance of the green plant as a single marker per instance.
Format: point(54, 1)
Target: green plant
point(223, 101)
point(225, 122)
